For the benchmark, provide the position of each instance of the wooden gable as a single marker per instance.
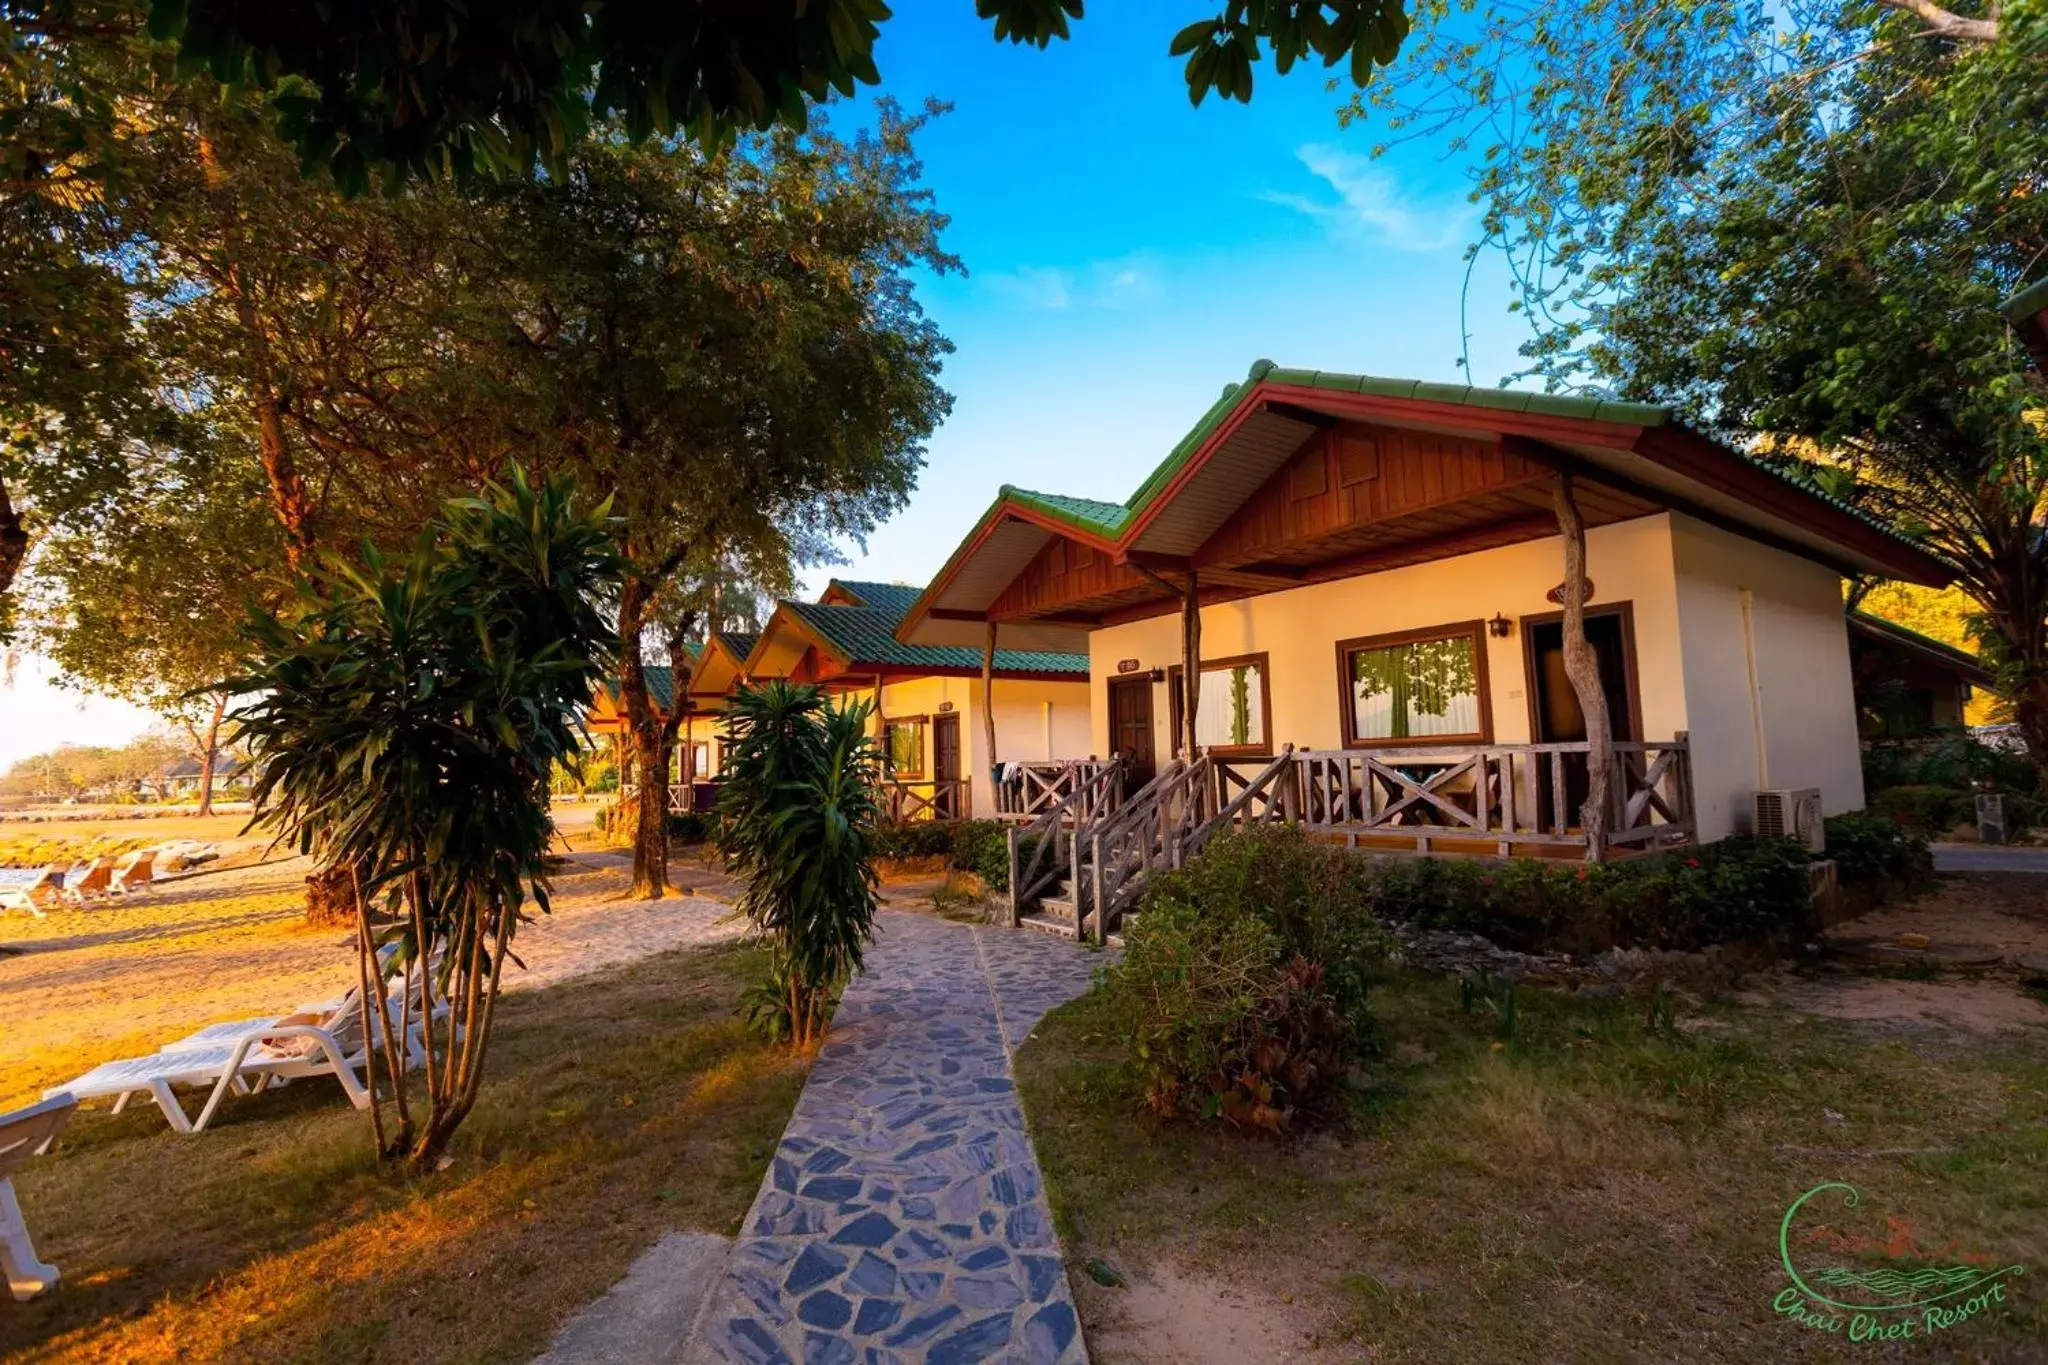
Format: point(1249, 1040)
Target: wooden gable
point(1064, 572)
point(1352, 478)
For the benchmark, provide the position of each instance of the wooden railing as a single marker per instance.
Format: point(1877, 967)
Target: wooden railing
point(1150, 834)
point(913, 802)
point(1507, 795)
point(1048, 847)
point(1034, 787)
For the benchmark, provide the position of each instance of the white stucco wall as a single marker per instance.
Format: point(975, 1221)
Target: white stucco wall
point(1685, 580)
point(1298, 630)
point(1034, 720)
point(1797, 727)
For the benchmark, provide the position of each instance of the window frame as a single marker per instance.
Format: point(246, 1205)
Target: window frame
point(1176, 705)
point(1346, 703)
point(924, 727)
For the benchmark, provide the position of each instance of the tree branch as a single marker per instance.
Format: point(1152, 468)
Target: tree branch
point(1947, 22)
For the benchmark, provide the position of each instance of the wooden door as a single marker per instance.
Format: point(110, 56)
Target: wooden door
point(1554, 703)
point(946, 794)
point(1130, 728)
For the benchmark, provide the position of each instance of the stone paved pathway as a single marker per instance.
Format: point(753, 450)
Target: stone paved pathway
point(903, 1219)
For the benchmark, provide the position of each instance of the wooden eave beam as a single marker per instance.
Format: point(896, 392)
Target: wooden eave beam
point(1584, 470)
point(1295, 412)
point(1485, 536)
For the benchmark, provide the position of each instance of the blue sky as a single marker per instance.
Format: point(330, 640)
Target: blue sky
point(1127, 256)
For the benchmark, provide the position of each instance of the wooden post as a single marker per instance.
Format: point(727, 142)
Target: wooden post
point(988, 715)
point(1191, 663)
point(1583, 668)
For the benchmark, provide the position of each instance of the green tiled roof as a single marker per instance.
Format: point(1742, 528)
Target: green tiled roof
point(2028, 301)
point(1962, 659)
point(1089, 514)
point(890, 597)
point(866, 635)
point(740, 642)
point(661, 684)
point(1108, 517)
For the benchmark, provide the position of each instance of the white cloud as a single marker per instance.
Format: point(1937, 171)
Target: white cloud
point(1371, 205)
point(1118, 283)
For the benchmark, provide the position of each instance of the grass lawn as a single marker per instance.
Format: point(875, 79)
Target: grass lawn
point(615, 1107)
point(1587, 1190)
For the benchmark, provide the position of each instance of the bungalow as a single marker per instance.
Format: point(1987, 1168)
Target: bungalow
point(691, 766)
point(1907, 684)
point(1433, 617)
point(932, 717)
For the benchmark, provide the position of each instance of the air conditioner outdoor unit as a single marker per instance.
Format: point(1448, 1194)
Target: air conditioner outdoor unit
point(1789, 814)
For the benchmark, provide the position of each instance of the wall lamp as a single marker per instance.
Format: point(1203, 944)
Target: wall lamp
point(1499, 627)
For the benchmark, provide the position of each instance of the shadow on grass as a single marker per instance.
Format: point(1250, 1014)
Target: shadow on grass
point(615, 1108)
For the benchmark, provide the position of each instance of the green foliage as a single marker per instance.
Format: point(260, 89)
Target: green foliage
point(1242, 991)
point(798, 814)
point(1738, 888)
point(1957, 760)
point(977, 846)
point(395, 88)
point(407, 716)
point(914, 839)
point(1753, 211)
point(1484, 993)
point(688, 828)
point(1926, 809)
point(1869, 848)
point(1221, 1021)
point(1308, 893)
point(983, 848)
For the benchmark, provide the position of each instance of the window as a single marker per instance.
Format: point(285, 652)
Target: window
point(1233, 713)
point(1427, 685)
point(903, 743)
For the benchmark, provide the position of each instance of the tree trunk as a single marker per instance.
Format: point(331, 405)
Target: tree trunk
point(1191, 665)
point(650, 839)
point(209, 754)
point(13, 542)
point(1582, 667)
point(289, 499)
point(988, 718)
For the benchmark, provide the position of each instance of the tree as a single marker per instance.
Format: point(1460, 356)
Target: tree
point(752, 380)
point(135, 591)
point(799, 814)
point(1798, 223)
point(408, 715)
point(424, 87)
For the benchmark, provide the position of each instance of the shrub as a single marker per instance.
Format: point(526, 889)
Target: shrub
point(689, 829)
point(1738, 888)
point(1868, 847)
point(1221, 1021)
point(1309, 894)
point(914, 839)
point(1926, 807)
point(1951, 760)
point(983, 848)
point(978, 846)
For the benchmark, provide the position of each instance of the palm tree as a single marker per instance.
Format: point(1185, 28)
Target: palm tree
point(798, 815)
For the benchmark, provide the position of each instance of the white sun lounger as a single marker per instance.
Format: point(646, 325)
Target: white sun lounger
point(135, 874)
point(45, 892)
point(23, 1133)
point(252, 1063)
point(93, 884)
